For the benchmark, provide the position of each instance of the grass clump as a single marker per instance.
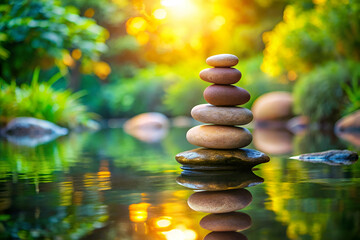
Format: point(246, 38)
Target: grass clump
point(41, 101)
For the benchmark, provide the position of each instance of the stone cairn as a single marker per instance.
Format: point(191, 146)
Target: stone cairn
point(221, 169)
point(222, 139)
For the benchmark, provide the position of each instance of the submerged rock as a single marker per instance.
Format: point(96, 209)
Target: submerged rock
point(31, 132)
point(219, 159)
point(331, 157)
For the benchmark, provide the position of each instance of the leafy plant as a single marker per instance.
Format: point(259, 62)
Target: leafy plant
point(352, 91)
point(318, 94)
point(40, 33)
point(40, 100)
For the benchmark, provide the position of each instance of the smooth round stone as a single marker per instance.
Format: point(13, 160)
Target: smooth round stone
point(220, 201)
point(220, 75)
point(222, 60)
point(218, 180)
point(226, 95)
point(222, 222)
point(225, 236)
point(208, 113)
point(219, 137)
point(211, 159)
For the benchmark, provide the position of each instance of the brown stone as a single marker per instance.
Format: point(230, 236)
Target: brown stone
point(219, 137)
point(220, 75)
point(211, 159)
point(208, 113)
point(349, 123)
point(225, 236)
point(222, 222)
point(220, 201)
point(226, 95)
point(222, 60)
point(273, 106)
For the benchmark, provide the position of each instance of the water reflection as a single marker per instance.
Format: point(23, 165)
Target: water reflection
point(218, 180)
point(108, 185)
point(222, 194)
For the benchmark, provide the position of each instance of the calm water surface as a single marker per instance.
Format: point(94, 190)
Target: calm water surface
point(108, 185)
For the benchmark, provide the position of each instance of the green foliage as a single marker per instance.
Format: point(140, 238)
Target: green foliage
point(352, 91)
point(128, 96)
point(309, 37)
point(39, 100)
point(39, 32)
point(256, 81)
point(319, 95)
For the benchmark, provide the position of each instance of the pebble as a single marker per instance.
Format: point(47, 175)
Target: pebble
point(221, 222)
point(222, 60)
point(218, 180)
point(220, 75)
point(225, 236)
point(226, 95)
point(208, 113)
point(216, 159)
point(220, 201)
point(219, 137)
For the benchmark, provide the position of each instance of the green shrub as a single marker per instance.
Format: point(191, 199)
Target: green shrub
point(40, 100)
point(352, 89)
point(319, 95)
point(40, 33)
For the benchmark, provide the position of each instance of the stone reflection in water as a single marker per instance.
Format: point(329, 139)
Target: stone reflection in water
point(275, 141)
point(218, 180)
point(224, 195)
point(225, 236)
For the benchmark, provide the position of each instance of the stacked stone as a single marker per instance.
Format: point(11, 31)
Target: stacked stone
point(222, 111)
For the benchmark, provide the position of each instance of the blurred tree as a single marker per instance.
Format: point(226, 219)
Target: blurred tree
point(42, 32)
point(311, 45)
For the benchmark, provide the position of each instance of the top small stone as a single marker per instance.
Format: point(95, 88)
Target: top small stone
point(222, 60)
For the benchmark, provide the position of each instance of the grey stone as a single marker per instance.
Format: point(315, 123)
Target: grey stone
point(30, 131)
point(331, 157)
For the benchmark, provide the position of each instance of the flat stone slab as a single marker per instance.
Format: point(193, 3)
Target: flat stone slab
point(331, 157)
point(219, 159)
point(218, 180)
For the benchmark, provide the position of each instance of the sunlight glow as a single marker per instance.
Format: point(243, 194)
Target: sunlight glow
point(138, 212)
point(180, 234)
point(159, 14)
point(180, 8)
point(76, 54)
point(136, 25)
point(163, 222)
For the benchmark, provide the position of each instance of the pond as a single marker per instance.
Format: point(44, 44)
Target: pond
point(109, 185)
